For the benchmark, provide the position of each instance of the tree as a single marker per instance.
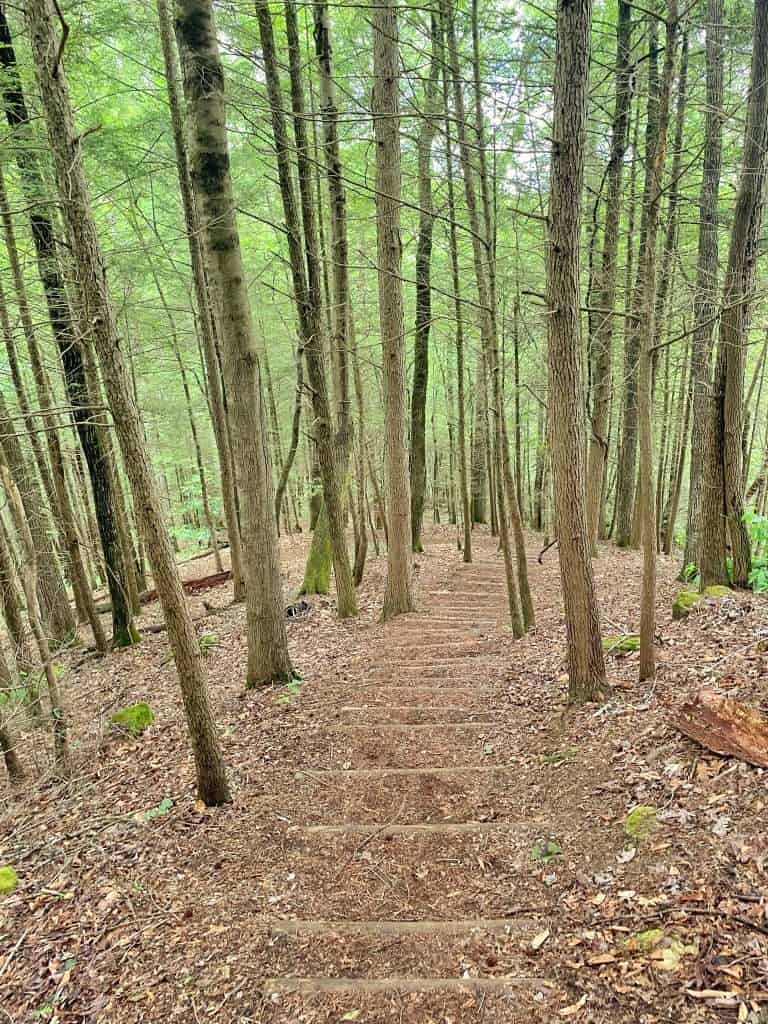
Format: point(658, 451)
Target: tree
point(586, 666)
point(605, 290)
point(268, 657)
point(98, 313)
point(398, 597)
point(423, 294)
point(69, 344)
point(723, 498)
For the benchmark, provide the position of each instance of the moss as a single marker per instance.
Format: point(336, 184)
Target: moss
point(317, 575)
point(621, 643)
point(125, 637)
point(134, 718)
point(641, 822)
point(716, 591)
point(684, 601)
point(8, 879)
point(644, 942)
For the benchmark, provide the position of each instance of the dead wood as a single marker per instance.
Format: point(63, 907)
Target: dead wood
point(725, 726)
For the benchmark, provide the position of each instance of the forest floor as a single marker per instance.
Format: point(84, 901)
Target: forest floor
point(422, 832)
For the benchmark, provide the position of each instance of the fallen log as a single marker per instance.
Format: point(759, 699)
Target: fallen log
point(725, 726)
point(195, 586)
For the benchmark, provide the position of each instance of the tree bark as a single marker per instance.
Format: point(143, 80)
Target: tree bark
point(203, 300)
point(398, 597)
point(78, 217)
point(586, 666)
point(423, 295)
point(705, 296)
point(605, 290)
point(67, 340)
point(724, 495)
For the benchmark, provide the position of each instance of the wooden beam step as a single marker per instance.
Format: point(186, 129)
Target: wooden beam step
point(374, 986)
point(291, 926)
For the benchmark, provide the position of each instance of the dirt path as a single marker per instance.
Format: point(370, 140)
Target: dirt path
point(400, 842)
point(422, 833)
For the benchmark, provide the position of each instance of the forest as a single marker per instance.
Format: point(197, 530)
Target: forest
point(383, 511)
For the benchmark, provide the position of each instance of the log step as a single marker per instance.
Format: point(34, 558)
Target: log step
point(373, 986)
point(496, 926)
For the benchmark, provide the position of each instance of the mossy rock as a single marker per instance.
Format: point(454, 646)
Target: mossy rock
point(641, 822)
point(716, 591)
point(684, 601)
point(621, 643)
point(134, 718)
point(8, 880)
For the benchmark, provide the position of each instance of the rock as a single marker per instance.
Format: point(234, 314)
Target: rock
point(725, 726)
point(134, 718)
point(641, 822)
point(621, 643)
point(8, 880)
point(683, 603)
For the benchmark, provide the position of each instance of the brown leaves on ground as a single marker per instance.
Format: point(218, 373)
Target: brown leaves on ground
point(121, 918)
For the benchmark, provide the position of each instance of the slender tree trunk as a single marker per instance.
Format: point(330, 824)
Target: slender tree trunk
point(627, 486)
point(648, 257)
point(30, 582)
point(307, 283)
point(66, 336)
point(398, 597)
point(64, 502)
point(423, 294)
point(705, 295)
point(78, 217)
point(605, 290)
point(586, 667)
point(461, 398)
point(203, 301)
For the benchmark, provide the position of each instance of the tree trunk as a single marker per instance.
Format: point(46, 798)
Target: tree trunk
point(423, 295)
point(66, 337)
point(586, 667)
point(398, 597)
point(80, 580)
point(648, 258)
point(705, 295)
point(605, 290)
point(725, 492)
point(461, 426)
point(205, 313)
point(628, 484)
point(97, 306)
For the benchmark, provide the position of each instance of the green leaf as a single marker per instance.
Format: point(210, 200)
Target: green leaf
point(161, 810)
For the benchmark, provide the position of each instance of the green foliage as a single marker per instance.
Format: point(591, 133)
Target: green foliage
point(622, 643)
point(8, 879)
point(641, 822)
point(163, 808)
point(690, 573)
point(134, 718)
point(291, 691)
point(545, 850)
point(207, 643)
point(758, 535)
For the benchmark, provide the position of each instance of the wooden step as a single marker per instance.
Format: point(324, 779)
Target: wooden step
point(373, 986)
point(291, 926)
point(438, 828)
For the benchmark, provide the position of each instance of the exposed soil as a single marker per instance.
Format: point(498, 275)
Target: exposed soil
point(423, 831)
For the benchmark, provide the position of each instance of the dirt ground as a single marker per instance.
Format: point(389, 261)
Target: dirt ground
point(422, 831)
